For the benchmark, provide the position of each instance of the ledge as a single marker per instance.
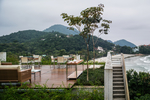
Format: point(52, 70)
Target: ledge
point(88, 87)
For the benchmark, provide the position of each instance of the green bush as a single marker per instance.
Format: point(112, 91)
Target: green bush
point(40, 93)
point(96, 63)
point(138, 83)
point(145, 97)
point(96, 77)
point(12, 58)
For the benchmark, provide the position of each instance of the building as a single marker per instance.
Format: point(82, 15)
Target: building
point(135, 49)
point(100, 49)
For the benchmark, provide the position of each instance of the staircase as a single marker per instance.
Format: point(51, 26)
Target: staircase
point(118, 83)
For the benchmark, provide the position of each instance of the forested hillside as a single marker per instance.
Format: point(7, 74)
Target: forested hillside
point(46, 43)
point(21, 36)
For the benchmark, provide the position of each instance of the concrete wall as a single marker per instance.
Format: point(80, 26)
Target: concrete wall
point(108, 94)
point(108, 79)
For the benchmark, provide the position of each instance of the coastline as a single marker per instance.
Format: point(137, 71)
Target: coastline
point(103, 59)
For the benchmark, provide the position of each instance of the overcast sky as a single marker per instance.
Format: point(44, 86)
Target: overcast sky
point(130, 18)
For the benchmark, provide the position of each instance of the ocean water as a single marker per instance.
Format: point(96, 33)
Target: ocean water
point(138, 63)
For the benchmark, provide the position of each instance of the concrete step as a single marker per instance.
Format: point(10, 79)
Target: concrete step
point(117, 70)
point(116, 58)
point(117, 79)
point(119, 96)
point(118, 87)
point(117, 73)
point(116, 62)
point(117, 67)
point(117, 76)
point(119, 64)
point(120, 91)
point(118, 83)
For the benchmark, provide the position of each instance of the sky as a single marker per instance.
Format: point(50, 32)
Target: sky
point(130, 18)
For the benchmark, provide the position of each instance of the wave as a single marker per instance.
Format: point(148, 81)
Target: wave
point(138, 63)
point(145, 59)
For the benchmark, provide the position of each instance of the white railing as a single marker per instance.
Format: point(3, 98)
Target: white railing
point(125, 79)
point(108, 79)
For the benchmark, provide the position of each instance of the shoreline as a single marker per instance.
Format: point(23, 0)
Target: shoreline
point(103, 59)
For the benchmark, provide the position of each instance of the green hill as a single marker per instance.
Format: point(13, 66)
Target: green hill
point(61, 29)
point(22, 36)
point(124, 43)
point(46, 43)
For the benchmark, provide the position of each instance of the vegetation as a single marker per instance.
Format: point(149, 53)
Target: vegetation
point(14, 58)
point(22, 36)
point(86, 23)
point(96, 77)
point(128, 50)
point(41, 92)
point(49, 44)
point(139, 85)
point(144, 49)
point(123, 49)
point(145, 97)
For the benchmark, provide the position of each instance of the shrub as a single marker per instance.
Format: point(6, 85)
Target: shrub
point(138, 83)
point(96, 77)
point(40, 93)
point(145, 97)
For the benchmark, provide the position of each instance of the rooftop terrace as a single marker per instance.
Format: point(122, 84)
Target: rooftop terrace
point(55, 77)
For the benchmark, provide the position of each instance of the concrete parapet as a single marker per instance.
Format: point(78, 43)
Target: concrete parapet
point(108, 92)
point(108, 79)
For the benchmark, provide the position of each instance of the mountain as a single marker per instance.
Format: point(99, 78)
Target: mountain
point(61, 29)
point(109, 41)
point(46, 43)
point(22, 36)
point(124, 42)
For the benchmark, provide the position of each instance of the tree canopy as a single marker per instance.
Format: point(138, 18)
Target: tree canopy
point(86, 23)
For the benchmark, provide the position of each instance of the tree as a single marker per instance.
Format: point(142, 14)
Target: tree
point(103, 29)
point(62, 52)
point(85, 23)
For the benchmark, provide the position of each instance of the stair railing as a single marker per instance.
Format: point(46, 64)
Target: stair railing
point(125, 78)
point(108, 79)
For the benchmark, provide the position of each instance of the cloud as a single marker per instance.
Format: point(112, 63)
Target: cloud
point(129, 18)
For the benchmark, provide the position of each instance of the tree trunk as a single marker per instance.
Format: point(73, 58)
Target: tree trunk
point(93, 56)
point(87, 62)
point(93, 53)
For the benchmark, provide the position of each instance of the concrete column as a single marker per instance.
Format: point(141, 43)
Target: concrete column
point(108, 79)
point(108, 85)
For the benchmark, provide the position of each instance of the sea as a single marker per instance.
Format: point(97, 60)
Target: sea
point(138, 63)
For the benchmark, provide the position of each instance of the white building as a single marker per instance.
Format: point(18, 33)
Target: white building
point(2, 56)
point(100, 49)
point(135, 49)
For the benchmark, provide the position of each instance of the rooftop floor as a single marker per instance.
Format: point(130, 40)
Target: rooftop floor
point(55, 77)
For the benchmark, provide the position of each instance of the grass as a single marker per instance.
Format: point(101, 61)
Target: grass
point(96, 63)
point(96, 77)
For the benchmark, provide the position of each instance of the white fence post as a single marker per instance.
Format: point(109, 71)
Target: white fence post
point(108, 79)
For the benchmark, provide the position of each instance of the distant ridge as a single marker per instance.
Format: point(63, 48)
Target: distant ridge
point(61, 29)
point(124, 42)
point(109, 41)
